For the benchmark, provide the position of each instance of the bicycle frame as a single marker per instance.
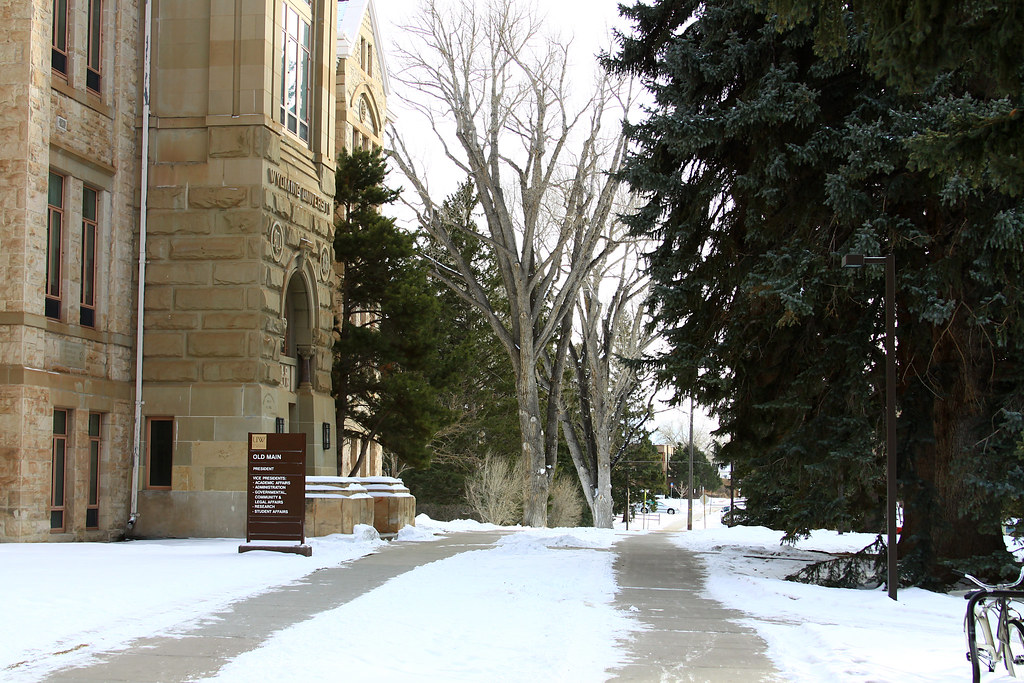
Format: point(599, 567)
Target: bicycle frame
point(998, 646)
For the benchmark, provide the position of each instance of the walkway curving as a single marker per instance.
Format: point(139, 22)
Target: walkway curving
point(689, 637)
point(204, 649)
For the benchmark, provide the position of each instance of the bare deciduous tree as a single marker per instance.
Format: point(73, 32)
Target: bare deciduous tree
point(543, 170)
point(612, 334)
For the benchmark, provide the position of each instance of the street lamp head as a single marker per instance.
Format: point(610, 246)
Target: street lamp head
point(853, 261)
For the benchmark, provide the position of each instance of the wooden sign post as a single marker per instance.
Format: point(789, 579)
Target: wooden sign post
point(276, 509)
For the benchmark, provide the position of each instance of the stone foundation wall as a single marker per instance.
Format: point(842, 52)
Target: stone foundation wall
point(328, 514)
point(334, 505)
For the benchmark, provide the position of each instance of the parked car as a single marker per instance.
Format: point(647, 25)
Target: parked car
point(663, 504)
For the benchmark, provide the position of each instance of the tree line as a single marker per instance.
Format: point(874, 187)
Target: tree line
point(778, 135)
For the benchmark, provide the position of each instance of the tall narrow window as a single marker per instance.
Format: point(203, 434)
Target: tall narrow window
point(59, 53)
point(159, 451)
point(54, 245)
point(92, 510)
point(87, 312)
point(295, 70)
point(93, 72)
point(58, 466)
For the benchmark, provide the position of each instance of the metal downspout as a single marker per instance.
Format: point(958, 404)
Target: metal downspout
point(143, 204)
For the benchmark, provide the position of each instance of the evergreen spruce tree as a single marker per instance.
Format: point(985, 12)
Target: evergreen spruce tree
point(637, 470)
point(910, 43)
point(386, 374)
point(761, 162)
point(705, 472)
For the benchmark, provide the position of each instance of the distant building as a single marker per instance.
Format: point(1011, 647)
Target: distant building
point(248, 103)
point(665, 451)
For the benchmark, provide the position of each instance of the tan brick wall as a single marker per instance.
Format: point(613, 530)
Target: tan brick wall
point(237, 209)
point(47, 364)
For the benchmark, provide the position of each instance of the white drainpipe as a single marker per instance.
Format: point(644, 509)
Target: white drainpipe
point(143, 203)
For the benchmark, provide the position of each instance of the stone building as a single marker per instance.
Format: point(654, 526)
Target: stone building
point(247, 105)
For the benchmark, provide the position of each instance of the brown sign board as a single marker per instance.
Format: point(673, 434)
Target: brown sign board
point(276, 509)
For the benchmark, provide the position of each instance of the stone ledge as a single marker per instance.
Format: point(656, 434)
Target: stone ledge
point(334, 503)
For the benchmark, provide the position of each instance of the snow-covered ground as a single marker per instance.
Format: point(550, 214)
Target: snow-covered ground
point(473, 616)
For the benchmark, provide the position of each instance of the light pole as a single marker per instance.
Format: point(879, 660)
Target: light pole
point(858, 261)
point(689, 484)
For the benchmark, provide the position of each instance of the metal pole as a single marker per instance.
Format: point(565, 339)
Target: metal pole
point(889, 261)
point(629, 510)
point(732, 493)
point(689, 491)
point(890, 419)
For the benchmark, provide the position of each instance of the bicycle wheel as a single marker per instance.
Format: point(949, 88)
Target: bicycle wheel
point(979, 653)
point(1015, 646)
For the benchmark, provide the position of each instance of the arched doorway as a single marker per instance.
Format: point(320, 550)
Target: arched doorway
point(298, 317)
point(298, 310)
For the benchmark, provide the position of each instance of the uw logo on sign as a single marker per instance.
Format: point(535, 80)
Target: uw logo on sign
point(259, 442)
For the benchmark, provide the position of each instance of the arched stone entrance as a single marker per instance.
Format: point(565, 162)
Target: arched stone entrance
point(298, 310)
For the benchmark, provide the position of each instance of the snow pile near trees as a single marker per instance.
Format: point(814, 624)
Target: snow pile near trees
point(831, 634)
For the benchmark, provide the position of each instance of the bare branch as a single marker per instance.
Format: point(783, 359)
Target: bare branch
point(543, 166)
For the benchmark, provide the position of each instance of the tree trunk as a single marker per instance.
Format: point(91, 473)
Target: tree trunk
point(602, 464)
point(946, 515)
point(588, 478)
point(364, 447)
point(602, 507)
point(535, 491)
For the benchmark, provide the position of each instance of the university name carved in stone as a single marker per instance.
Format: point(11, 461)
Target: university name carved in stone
point(304, 195)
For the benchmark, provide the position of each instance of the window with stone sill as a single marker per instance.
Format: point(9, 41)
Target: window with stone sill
point(94, 47)
point(63, 41)
point(59, 51)
point(92, 509)
point(58, 468)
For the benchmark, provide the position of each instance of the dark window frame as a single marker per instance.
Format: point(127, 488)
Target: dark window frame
point(92, 508)
point(161, 462)
point(59, 471)
point(90, 235)
point(54, 247)
point(59, 34)
point(94, 48)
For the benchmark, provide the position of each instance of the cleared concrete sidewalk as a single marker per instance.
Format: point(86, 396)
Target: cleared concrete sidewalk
point(690, 638)
point(201, 651)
